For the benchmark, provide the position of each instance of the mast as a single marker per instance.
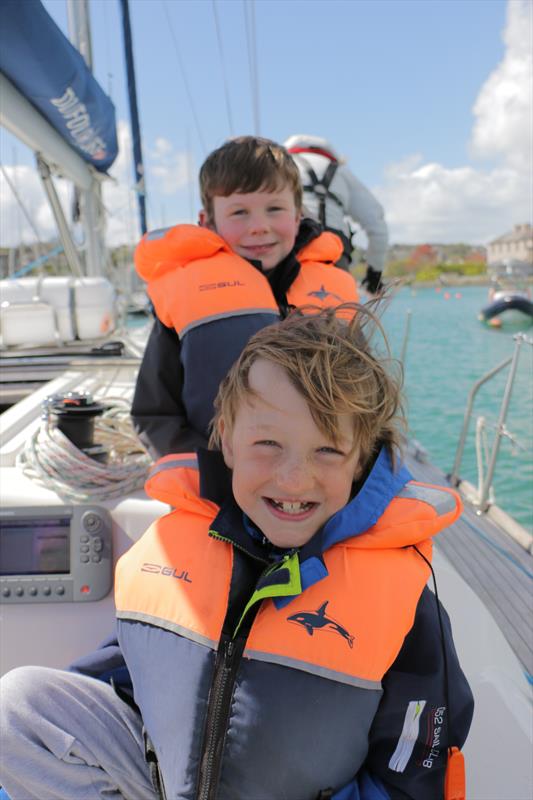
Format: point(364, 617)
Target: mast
point(90, 201)
point(134, 116)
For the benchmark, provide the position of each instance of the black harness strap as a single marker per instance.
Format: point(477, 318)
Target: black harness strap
point(320, 187)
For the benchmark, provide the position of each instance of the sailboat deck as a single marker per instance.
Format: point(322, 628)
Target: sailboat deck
point(498, 569)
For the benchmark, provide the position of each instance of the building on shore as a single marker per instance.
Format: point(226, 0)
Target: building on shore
point(514, 246)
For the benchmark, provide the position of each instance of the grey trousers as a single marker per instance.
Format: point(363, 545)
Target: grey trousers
point(68, 737)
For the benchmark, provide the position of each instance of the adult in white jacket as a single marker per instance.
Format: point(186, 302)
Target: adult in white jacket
point(332, 194)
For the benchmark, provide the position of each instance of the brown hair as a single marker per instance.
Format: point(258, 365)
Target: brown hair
point(327, 356)
point(248, 164)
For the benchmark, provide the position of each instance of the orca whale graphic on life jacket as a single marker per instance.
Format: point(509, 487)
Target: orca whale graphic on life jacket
point(318, 620)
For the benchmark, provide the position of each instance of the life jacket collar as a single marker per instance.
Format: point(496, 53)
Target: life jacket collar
point(363, 511)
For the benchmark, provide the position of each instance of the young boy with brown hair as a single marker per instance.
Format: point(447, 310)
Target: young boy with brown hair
point(212, 286)
point(277, 627)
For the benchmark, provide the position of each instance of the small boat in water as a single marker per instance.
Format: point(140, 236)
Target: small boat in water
point(512, 306)
point(509, 298)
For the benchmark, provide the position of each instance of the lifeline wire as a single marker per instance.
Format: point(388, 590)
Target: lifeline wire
point(181, 65)
point(53, 461)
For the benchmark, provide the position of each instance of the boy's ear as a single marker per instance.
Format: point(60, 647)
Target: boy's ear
point(203, 219)
point(226, 443)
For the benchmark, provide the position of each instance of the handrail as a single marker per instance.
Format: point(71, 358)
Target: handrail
point(406, 336)
point(482, 501)
point(454, 475)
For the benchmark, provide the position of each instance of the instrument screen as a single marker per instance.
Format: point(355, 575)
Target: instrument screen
point(35, 546)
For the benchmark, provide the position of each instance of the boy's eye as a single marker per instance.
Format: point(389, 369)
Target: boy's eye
point(267, 443)
point(330, 450)
point(238, 212)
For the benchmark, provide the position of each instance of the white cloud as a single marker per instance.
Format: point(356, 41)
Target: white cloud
point(169, 169)
point(503, 107)
point(118, 197)
point(162, 148)
point(434, 203)
point(430, 202)
point(14, 225)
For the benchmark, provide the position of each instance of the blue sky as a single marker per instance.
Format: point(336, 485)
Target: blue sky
point(427, 99)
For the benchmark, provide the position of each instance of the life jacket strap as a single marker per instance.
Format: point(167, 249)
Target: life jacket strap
point(320, 187)
point(153, 766)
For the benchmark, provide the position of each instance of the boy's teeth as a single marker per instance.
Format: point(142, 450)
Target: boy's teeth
point(291, 507)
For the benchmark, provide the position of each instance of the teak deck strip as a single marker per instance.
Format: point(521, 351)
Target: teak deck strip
point(495, 567)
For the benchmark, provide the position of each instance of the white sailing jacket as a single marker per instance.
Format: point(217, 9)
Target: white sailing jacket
point(358, 202)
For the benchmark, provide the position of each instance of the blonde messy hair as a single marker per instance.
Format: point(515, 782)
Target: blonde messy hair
point(248, 164)
point(327, 356)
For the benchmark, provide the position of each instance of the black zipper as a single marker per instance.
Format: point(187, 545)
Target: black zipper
point(227, 663)
point(228, 659)
point(215, 535)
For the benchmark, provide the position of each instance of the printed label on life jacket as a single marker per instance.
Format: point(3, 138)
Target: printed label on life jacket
point(409, 735)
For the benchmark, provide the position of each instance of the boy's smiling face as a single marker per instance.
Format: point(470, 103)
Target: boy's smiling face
point(288, 477)
point(258, 225)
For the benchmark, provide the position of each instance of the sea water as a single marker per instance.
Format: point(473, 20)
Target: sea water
point(447, 351)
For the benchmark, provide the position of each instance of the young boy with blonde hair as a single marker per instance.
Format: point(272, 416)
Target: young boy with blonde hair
point(212, 286)
point(277, 627)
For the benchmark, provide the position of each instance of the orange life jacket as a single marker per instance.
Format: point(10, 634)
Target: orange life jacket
point(194, 277)
point(272, 693)
point(372, 582)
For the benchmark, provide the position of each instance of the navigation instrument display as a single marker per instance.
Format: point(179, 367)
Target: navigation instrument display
point(35, 547)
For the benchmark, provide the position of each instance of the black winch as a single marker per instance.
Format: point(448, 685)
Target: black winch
point(74, 414)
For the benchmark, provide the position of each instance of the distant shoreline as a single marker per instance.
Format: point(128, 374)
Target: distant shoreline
point(447, 280)
point(452, 280)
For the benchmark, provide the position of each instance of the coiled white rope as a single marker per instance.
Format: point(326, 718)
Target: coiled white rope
point(52, 460)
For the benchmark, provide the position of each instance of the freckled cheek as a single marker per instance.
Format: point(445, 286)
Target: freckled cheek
point(342, 495)
point(251, 477)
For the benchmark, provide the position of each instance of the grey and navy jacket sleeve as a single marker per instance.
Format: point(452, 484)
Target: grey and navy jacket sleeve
point(158, 414)
point(427, 707)
point(107, 664)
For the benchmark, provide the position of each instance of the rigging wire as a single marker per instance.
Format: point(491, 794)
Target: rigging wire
point(222, 65)
point(110, 75)
point(249, 23)
point(184, 77)
point(27, 216)
point(190, 179)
